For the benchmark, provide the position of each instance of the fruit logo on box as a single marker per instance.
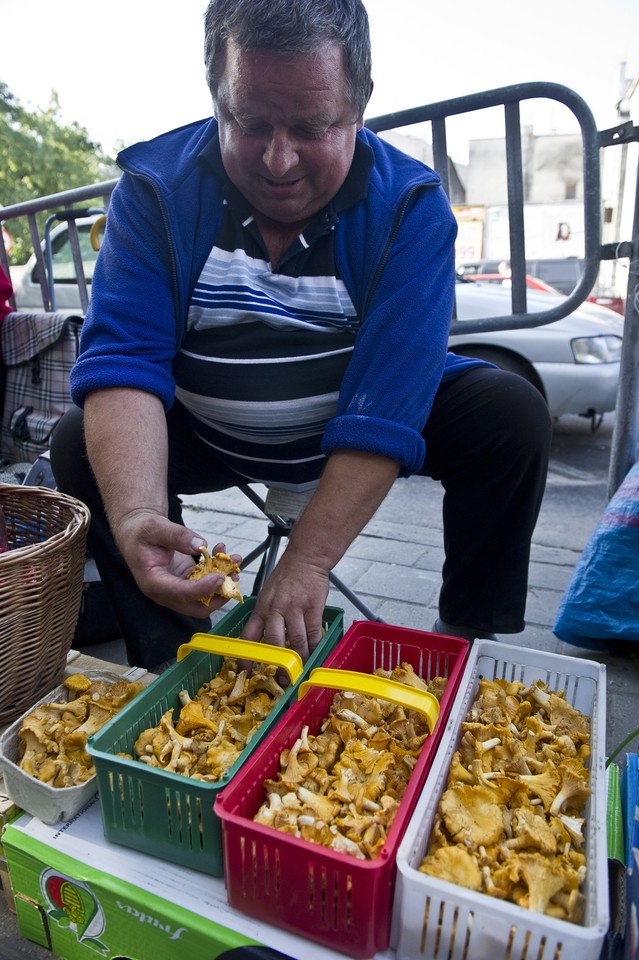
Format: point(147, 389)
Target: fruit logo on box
point(72, 904)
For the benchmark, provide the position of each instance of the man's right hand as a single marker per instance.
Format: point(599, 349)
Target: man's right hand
point(160, 554)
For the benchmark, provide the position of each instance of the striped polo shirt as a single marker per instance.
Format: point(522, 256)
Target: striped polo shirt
point(265, 351)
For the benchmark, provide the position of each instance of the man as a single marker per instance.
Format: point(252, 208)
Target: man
point(272, 304)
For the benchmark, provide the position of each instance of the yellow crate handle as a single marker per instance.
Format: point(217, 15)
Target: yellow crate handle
point(245, 650)
point(374, 686)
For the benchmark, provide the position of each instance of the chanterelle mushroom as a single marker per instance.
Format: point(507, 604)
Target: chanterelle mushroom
point(455, 865)
point(349, 778)
point(574, 787)
point(471, 814)
point(514, 805)
point(544, 878)
point(214, 726)
point(52, 738)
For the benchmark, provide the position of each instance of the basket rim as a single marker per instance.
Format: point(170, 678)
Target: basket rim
point(31, 490)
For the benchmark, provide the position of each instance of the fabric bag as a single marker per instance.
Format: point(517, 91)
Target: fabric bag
point(38, 352)
point(602, 599)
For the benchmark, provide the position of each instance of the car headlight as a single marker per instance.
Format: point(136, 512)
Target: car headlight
point(602, 349)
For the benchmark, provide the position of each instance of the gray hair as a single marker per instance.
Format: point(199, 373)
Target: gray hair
point(292, 28)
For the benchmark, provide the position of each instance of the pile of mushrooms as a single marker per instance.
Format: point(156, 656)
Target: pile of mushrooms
point(510, 822)
point(214, 726)
point(53, 737)
point(342, 787)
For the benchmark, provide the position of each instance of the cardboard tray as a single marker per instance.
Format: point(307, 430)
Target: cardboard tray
point(325, 896)
point(83, 898)
point(160, 812)
point(50, 804)
point(432, 917)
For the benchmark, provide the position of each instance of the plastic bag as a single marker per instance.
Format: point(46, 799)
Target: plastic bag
point(602, 599)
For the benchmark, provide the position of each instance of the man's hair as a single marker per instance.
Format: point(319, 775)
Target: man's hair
point(291, 28)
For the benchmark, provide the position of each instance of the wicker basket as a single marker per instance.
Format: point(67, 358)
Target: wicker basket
point(41, 578)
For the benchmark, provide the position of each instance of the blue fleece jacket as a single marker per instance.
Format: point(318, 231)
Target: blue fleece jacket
point(394, 250)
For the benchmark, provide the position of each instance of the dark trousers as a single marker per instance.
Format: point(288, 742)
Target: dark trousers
point(487, 442)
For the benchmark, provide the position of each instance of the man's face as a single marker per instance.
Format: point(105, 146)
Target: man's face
point(287, 131)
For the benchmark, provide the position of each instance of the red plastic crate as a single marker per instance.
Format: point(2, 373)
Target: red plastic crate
point(332, 898)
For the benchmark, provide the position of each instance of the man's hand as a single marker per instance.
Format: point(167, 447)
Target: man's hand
point(160, 554)
point(290, 606)
point(291, 602)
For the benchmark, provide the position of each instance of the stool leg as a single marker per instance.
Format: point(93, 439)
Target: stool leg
point(278, 529)
point(254, 554)
point(271, 550)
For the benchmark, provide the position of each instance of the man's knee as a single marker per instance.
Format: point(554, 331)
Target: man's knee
point(505, 407)
point(68, 453)
point(526, 415)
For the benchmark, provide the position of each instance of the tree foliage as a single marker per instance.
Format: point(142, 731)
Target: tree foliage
point(41, 155)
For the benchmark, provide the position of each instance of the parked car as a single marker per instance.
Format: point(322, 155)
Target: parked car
point(534, 283)
point(608, 297)
point(561, 273)
point(604, 296)
point(573, 362)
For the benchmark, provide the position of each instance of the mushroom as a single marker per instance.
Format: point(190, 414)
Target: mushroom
point(574, 826)
point(543, 785)
point(342, 844)
point(406, 674)
point(574, 789)
point(458, 771)
point(77, 683)
point(473, 746)
point(571, 905)
point(510, 756)
point(471, 814)
point(192, 719)
point(531, 832)
point(527, 844)
point(566, 719)
point(543, 877)
point(322, 808)
point(299, 761)
point(53, 736)
point(455, 865)
point(99, 712)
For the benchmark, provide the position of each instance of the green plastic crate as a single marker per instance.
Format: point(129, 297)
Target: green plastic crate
point(162, 813)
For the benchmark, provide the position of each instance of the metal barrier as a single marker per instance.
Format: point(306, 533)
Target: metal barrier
point(65, 207)
point(625, 443)
point(510, 98)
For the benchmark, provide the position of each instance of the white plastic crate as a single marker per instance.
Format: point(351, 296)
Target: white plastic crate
point(437, 920)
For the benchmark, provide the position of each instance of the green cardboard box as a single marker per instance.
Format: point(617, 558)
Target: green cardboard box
point(86, 898)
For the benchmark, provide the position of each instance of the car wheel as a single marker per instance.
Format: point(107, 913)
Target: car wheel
point(505, 360)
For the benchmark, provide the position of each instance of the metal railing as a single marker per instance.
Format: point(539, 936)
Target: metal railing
point(64, 207)
point(625, 442)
